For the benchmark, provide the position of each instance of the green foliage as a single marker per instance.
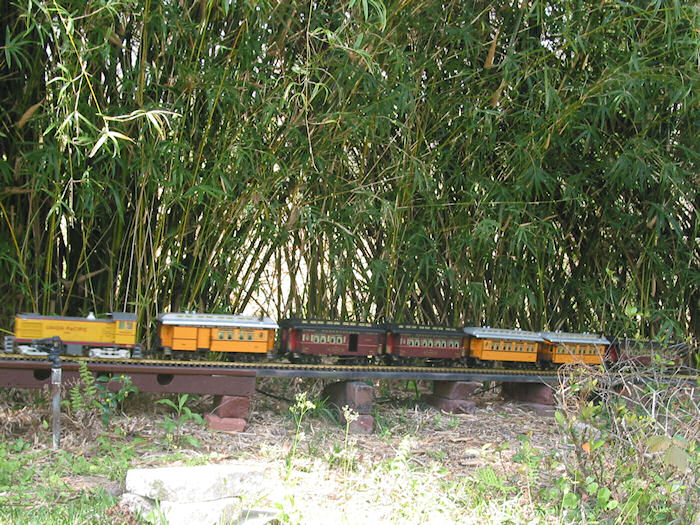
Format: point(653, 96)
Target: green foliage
point(33, 485)
point(174, 426)
point(532, 164)
point(90, 395)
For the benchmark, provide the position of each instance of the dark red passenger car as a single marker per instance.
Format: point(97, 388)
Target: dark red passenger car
point(424, 342)
point(307, 340)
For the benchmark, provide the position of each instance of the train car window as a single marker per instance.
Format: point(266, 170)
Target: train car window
point(315, 338)
point(331, 339)
point(323, 338)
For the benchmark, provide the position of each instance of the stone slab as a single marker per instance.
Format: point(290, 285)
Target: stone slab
point(232, 406)
point(453, 406)
point(225, 424)
point(455, 389)
point(191, 484)
point(528, 393)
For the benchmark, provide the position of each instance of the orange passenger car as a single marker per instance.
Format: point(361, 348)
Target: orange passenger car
point(185, 334)
point(563, 347)
point(497, 344)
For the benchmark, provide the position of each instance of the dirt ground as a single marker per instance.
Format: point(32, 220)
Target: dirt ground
point(433, 446)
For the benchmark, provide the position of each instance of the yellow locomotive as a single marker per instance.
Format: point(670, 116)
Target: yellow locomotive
point(111, 337)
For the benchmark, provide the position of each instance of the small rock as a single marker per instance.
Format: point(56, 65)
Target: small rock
point(190, 484)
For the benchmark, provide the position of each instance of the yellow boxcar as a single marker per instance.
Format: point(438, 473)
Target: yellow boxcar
point(112, 337)
point(564, 347)
point(187, 333)
point(496, 344)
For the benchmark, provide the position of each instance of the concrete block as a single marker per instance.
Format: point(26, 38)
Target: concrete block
point(355, 394)
point(232, 406)
point(191, 484)
point(455, 389)
point(225, 424)
point(453, 406)
point(225, 510)
point(529, 393)
point(364, 424)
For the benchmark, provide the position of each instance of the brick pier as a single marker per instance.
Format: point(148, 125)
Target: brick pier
point(536, 396)
point(357, 396)
point(452, 396)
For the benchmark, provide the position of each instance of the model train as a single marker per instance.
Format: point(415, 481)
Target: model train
point(192, 335)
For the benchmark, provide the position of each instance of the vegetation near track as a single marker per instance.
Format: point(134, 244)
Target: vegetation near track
point(530, 164)
point(628, 456)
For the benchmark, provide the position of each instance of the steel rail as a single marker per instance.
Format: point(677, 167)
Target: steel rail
point(277, 369)
point(272, 369)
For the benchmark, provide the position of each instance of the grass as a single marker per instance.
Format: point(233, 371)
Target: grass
point(420, 466)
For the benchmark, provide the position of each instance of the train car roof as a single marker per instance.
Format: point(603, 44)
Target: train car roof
point(197, 319)
point(573, 338)
point(486, 332)
point(422, 329)
point(111, 316)
point(326, 324)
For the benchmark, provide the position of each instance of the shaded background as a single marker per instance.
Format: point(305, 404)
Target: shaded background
point(520, 164)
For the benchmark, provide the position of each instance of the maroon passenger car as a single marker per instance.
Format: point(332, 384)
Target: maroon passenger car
point(424, 342)
point(309, 340)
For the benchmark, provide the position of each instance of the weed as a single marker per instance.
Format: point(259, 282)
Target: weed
point(173, 426)
point(299, 410)
point(89, 395)
point(634, 445)
point(345, 456)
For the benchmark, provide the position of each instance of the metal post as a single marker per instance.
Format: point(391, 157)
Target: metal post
point(55, 357)
point(56, 405)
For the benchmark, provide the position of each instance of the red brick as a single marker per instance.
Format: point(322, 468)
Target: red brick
point(529, 393)
point(355, 394)
point(453, 406)
point(232, 406)
point(455, 389)
point(225, 424)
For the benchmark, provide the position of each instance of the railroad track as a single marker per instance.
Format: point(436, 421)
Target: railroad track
point(275, 369)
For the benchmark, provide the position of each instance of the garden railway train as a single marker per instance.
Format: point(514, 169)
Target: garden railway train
point(192, 335)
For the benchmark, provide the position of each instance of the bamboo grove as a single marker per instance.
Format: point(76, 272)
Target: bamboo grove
point(521, 164)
